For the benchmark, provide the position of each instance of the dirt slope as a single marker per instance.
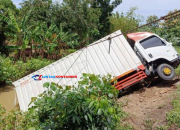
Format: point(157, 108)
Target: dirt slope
point(147, 107)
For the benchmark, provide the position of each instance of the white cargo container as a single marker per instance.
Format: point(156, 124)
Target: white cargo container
point(146, 54)
point(109, 55)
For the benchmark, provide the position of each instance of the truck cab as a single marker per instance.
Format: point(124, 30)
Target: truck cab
point(157, 55)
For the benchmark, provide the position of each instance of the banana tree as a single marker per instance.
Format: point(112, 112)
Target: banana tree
point(17, 33)
point(52, 38)
point(61, 38)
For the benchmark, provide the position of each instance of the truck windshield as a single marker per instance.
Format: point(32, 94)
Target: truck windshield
point(152, 42)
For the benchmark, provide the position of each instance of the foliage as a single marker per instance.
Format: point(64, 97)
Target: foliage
point(92, 105)
point(36, 64)
point(41, 10)
point(11, 71)
point(125, 22)
point(8, 71)
point(17, 33)
point(5, 6)
point(23, 34)
point(150, 19)
point(172, 29)
point(173, 116)
point(17, 120)
point(167, 29)
point(177, 70)
point(106, 7)
point(78, 16)
point(53, 37)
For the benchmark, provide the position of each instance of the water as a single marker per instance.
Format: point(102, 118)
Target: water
point(8, 98)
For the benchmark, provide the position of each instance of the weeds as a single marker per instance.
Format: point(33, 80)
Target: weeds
point(173, 116)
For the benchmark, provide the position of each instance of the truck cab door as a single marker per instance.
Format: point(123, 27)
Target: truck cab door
point(153, 48)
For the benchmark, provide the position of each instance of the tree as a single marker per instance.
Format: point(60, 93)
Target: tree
point(124, 22)
point(106, 9)
point(5, 5)
point(169, 28)
point(51, 38)
point(17, 33)
point(151, 19)
point(78, 17)
point(41, 10)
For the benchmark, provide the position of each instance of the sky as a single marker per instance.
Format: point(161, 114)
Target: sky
point(145, 7)
point(149, 7)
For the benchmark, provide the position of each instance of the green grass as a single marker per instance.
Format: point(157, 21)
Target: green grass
point(173, 116)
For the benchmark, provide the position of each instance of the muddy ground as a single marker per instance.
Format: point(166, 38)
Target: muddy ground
point(147, 106)
point(8, 97)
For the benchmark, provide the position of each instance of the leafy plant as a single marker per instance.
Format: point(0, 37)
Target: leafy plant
point(7, 71)
point(16, 120)
point(92, 105)
point(36, 64)
point(173, 116)
point(18, 33)
point(11, 71)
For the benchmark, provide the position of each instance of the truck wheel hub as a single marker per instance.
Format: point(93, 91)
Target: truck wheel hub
point(167, 71)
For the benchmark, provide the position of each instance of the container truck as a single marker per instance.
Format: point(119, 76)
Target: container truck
point(130, 61)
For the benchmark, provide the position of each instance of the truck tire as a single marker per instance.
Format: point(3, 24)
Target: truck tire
point(166, 72)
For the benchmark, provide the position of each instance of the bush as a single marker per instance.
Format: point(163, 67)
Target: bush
point(17, 120)
point(10, 71)
point(173, 116)
point(92, 105)
point(36, 64)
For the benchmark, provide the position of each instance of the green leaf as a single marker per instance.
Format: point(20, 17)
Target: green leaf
point(110, 95)
point(90, 117)
point(40, 95)
point(99, 111)
point(53, 87)
point(46, 85)
point(32, 128)
point(86, 117)
point(74, 119)
point(32, 100)
point(91, 104)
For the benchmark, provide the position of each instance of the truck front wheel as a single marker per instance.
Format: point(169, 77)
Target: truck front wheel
point(166, 72)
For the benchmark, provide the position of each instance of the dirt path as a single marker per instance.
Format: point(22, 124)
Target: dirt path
point(147, 107)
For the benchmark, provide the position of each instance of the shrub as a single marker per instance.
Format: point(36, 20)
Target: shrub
point(92, 105)
point(7, 70)
point(173, 116)
point(17, 120)
point(36, 64)
point(10, 71)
